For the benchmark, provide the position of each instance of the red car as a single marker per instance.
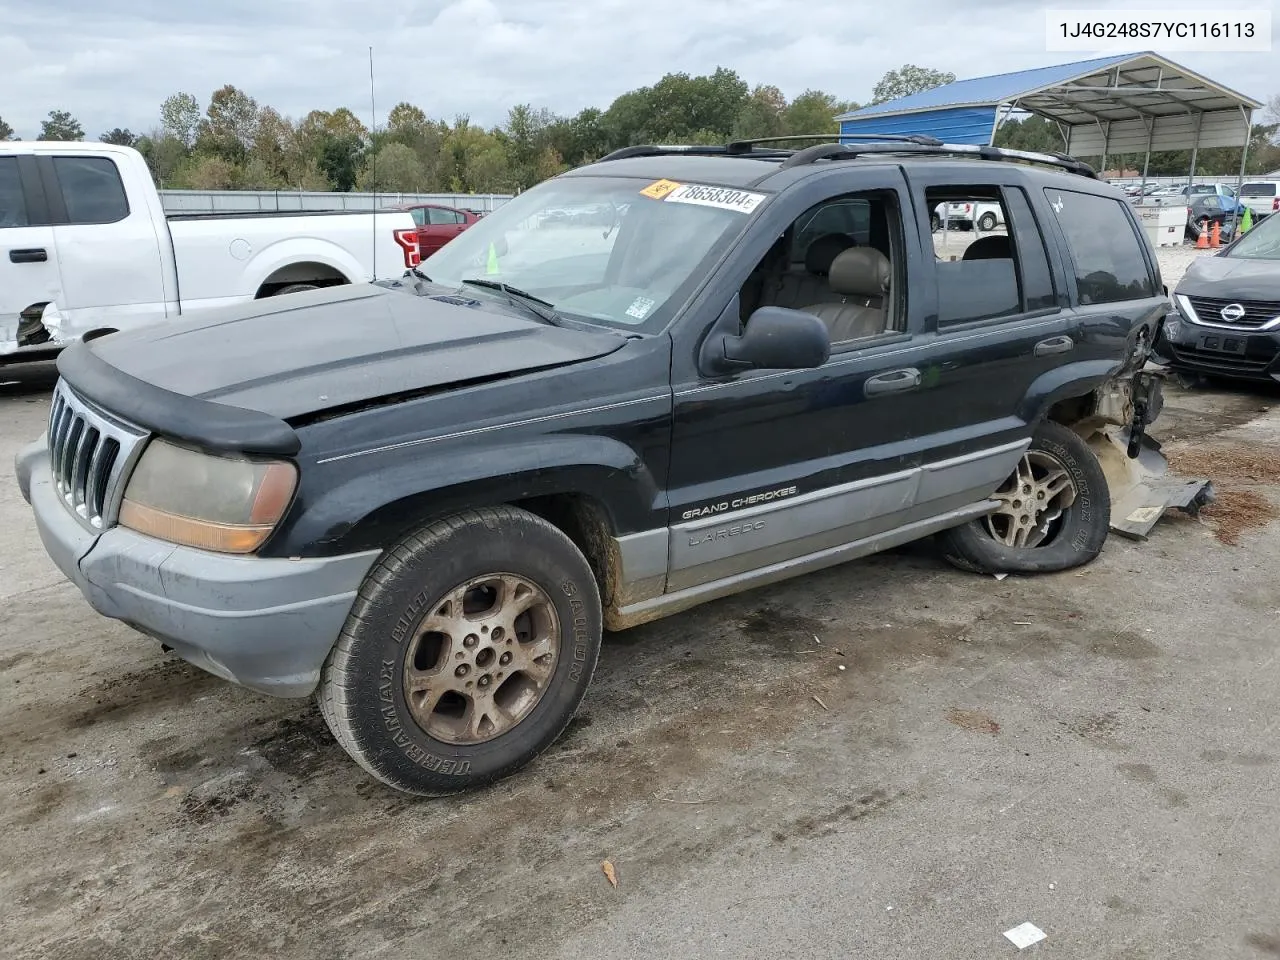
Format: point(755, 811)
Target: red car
point(437, 224)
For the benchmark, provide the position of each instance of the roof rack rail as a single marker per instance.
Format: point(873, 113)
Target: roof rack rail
point(744, 146)
point(841, 151)
point(695, 149)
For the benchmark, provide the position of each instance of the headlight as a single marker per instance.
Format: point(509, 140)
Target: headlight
point(227, 504)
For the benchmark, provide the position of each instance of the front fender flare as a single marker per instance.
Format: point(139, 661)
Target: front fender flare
point(389, 499)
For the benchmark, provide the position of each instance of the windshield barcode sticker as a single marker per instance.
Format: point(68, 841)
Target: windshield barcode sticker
point(724, 198)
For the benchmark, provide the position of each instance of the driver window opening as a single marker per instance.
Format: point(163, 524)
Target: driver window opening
point(839, 260)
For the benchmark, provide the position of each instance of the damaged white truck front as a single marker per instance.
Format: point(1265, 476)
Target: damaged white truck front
point(86, 248)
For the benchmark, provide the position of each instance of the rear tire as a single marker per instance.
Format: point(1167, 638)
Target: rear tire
point(295, 288)
point(467, 651)
point(987, 222)
point(1056, 512)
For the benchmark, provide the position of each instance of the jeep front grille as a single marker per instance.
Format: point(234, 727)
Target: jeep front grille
point(90, 453)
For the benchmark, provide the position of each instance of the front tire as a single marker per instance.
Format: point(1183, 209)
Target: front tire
point(467, 651)
point(1055, 512)
point(987, 222)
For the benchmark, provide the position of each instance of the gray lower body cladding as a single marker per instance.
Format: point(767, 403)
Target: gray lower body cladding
point(267, 624)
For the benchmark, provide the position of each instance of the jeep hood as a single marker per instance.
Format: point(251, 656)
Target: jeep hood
point(212, 376)
point(1231, 278)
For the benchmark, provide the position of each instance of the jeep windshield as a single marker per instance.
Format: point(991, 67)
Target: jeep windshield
point(621, 252)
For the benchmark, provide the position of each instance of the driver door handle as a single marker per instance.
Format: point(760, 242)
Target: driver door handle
point(30, 255)
point(896, 381)
point(1054, 345)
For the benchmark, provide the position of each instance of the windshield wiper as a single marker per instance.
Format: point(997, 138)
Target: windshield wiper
point(544, 310)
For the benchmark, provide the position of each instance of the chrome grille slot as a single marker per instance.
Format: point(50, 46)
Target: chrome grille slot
point(1248, 315)
point(90, 454)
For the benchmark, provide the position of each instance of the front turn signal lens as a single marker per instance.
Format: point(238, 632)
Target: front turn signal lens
point(222, 503)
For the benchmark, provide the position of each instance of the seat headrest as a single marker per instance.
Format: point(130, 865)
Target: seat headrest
point(861, 272)
point(994, 246)
point(823, 251)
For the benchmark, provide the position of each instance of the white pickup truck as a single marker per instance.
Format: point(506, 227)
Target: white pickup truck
point(86, 248)
point(964, 214)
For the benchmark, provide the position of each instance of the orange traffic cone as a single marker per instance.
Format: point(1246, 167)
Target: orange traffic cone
point(1202, 241)
point(1215, 238)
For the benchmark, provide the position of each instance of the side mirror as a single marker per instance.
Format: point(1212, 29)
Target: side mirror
point(774, 338)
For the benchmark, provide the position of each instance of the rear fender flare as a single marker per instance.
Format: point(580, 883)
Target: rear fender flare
point(1071, 380)
point(298, 250)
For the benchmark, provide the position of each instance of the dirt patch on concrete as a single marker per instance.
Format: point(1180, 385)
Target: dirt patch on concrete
point(1226, 463)
point(1237, 511)
point(975, 721)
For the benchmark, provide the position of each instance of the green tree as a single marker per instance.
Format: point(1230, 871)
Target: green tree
point(393, 168)
point(907, 80)
point(229, 125)
point(206, 173)
point(164, 155)
point(119, 137)
point(1037, 134)
point(814, 112)
point(60, 125)
point(180, 118)
point(763, 114)
point(6, 131)
point(404, 116)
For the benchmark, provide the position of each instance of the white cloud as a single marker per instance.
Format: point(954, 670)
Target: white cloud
point(111, 62)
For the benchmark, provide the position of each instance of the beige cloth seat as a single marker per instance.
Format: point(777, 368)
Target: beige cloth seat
point(800, 289)
point(862, 276)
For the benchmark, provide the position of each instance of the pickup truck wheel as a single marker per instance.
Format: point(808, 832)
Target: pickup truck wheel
point(935, 222)
point(467, 651)
point(295, 288)
point(987, 222)
point(1055, 511)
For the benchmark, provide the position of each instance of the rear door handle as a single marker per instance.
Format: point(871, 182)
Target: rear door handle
point(896, 381)
point(1054, 345)
point(31, 255)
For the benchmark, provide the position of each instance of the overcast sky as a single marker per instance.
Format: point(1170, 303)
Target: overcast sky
point(111, 62)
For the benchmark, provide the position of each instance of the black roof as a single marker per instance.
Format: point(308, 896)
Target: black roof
point(756, 163)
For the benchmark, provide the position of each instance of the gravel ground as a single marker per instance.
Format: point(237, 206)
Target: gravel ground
point(1094, 752)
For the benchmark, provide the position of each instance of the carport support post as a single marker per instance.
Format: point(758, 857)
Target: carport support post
point(1146, 162)
point(1195, 152)
point(1244, 158)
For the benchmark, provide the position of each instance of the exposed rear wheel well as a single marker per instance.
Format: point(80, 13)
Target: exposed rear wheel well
point(1071, 410)
point(318, 274)
point(584, 521)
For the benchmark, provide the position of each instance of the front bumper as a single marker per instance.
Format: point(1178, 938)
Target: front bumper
point(1244, 354)
point(267, 624)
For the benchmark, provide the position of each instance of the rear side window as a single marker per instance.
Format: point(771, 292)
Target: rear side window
point(1104, 247)
point(91, 189)
point(439, 216)
point(990, 259)
point(13, 206)
point(419, 216)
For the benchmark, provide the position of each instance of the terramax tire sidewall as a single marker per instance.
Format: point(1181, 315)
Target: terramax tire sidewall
point(376, 693)
point(1085, 525)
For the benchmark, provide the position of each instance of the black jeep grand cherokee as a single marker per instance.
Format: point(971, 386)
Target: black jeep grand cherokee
point(424, 501)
